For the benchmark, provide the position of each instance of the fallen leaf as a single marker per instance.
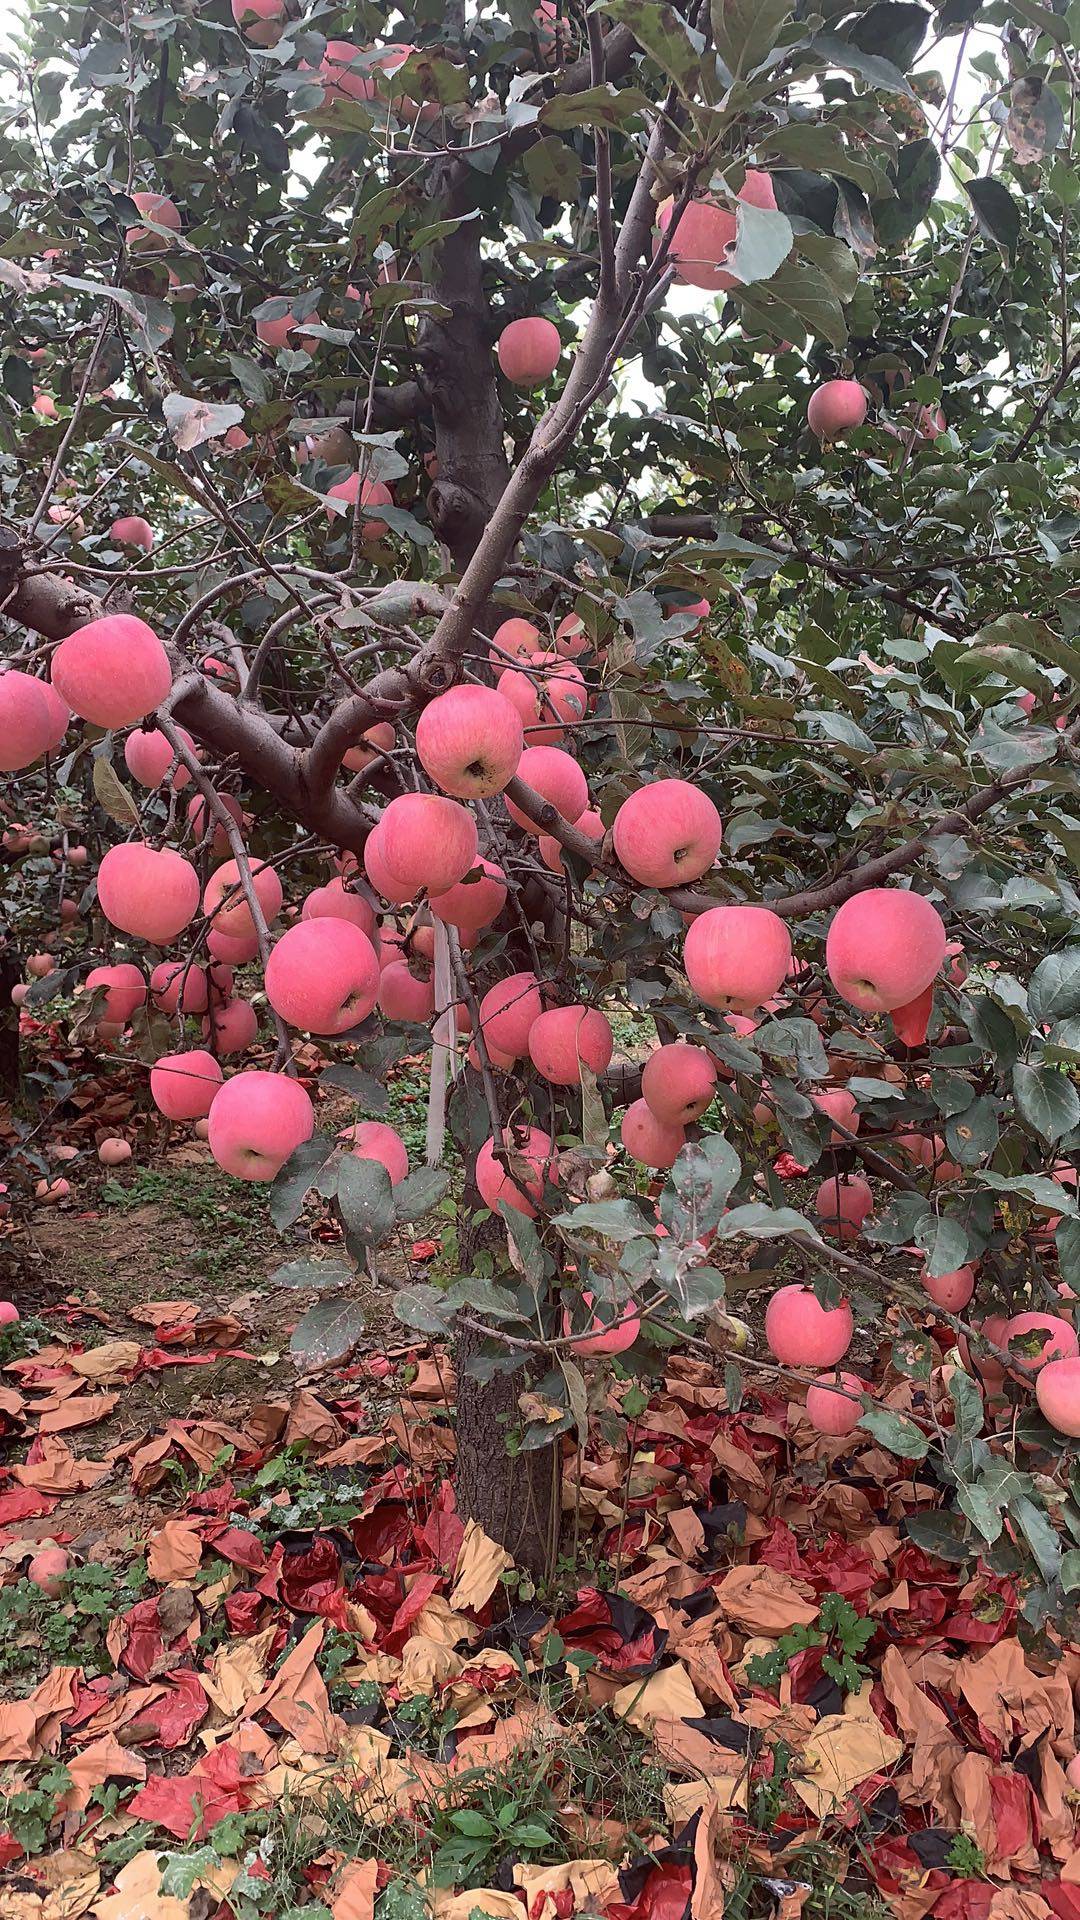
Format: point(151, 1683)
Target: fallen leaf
point(138, 1896)
point(174, 1553)
point(843, 1750)
point(479, 1566)
point(355, 1895)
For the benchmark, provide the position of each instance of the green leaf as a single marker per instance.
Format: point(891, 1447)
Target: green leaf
point(765, 1223)
point(312, 1273)
point(664, 35)
point(419, 1192)
point(763, 242)
point(612, 1219)
point(746, 31)
point(1054, 987)
point(112, 795)
point(1070, 1570)
point(972, 1135)
point(424, 1307)
point(153, 320)
point(1036, 121)
point(698, 1187)
point(296, 1179)
point(363, 1087)
point(895, 1433)
point(915, 180)
point(327, 1333)
point(966, 1449)
point(893, 27)
point(944, 1242)
point(1039, 1533)
point(983, 1512)
point(606, 106)
point(365, 1200)
point(996, 212)
point(1047, 1099)
point(553, 169)
point(797, 301)
point(834, 51)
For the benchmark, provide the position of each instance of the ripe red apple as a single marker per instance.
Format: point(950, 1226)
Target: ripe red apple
point(842, 1203)
point(113, 671)
point(114, 1152)
point(336, 901)
point(257, 1120)
point(131, 530)
point(9, 1312)
point(149, 755)
point(183, 1086)
point(707, 230)
point(653, 1142)
point(1056, 1339)
point(472, 903)
point(200, 819)
point(223, 898)
point(26, 726)
point(678, 1082)
point(951, 1291)
point(884, 947)
point(508, 1011)
point(667, 834)
point(541, 1159)
point(259, 20)
point(378, 873)
point(47, 1570)
point(375, 1140)
point(836, 1103)
point(737, 957)
point(613, 1338)
point(565, 1038)
point(910, 1023)
point(232, 950)
point(469, 741)
point(929, 1153)
point(406, 992)
point(529, 350)
point(836, 408)
point(427, 841)
point(163, 212)
point(39, 965)
point(150, 892)
point(51, 1192)
point(556, 778)
point(234, 1025)
point(287, 331)
point(830, 1406)
point(370, 494)
point(341, 79)
point(125, 989)
point(44, 405)
point(516, 639)
point(174, 986)
point(572, 636)
point(802, 1333)
point(548, 702)
point(589, 823)
point(322, 976)
point(1057, 1390)
point(380, 739)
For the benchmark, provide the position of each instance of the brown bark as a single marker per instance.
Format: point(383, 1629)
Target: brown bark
point(514, 1500)
point(10, 1074)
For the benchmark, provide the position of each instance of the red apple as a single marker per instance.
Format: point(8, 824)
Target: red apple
point(884, 947)
point(322, 976)
point(469, 741)
point(112, 671)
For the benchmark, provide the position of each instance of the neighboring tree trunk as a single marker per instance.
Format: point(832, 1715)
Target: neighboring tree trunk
point(513, 1499)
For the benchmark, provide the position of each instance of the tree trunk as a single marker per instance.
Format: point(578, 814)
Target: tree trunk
point(514, 1499)
point(10, 1076)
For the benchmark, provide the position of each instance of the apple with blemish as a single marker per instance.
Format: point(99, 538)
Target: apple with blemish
point(652, 1142)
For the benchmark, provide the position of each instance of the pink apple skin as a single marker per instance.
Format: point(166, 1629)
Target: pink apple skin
point(233, 951)
point(951, 1291)
point(378, 873)
point(547, 703)
point(835, 408)
point(322, 976)
point(613, 1338)
point(836, 1103)
point(651, 1141)
point(800, 1332)
point(59, 722)
point(564, 1038)
point(842, 1205)
point(736, 958)
point(499, 1062)
point(163, 212)
point(47, 1569)
point(910, 1023)
point(257, 1120)
point(667, 834)
point(529, 351)
point(495, 1184)
point(148, 757)
point(377, 739)
point(472, 903)
point(224, 901)
point(183, 1086)
point(259, 20)
point(131, 530)
point(405, 994)
point(1057, 1390)
point(884, 947)
point(1058, 1338)
point(508, 1012)
point(549, 849)
point(113, 671)
point(375, 1140)
point(25, 722)
point(831, 1412)
point(335, 901)
point(125, 989)
point(572, 636)
point(199, 818)
point(288, 331)
point(9, 1312)
point(370, 493)
point(705, 232)
point(678, 1082)
point(235, 1026)
point(339, 79)
point(51, 1192)
point(114, 1152)
point(469, 741)
point(516, 639)
point(557, 778)
point(175, 986)
point(427, 841)
point(146, 892)
point(929, 1153)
